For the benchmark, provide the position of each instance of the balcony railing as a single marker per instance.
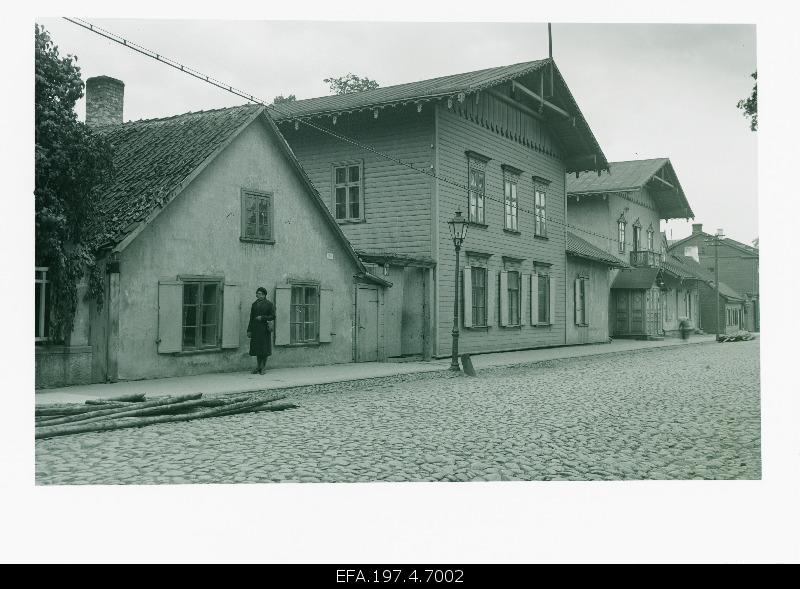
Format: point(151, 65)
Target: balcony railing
point(645, 259)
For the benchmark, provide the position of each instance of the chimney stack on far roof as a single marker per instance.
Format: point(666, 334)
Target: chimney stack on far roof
point(697, 228)
point(104, 100)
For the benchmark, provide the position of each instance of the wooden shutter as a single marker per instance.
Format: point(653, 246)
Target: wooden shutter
point(577, 297)
point(490, 294)
point(170, 316)
point(524, 288)
point(534, 299)
point(283, 310)
point(503, 298)
point(325, 314)
point(551, 318)
point(231, 316)
point(585, 285)
point(467, 298)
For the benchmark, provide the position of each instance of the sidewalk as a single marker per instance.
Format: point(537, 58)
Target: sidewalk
point(280, 378)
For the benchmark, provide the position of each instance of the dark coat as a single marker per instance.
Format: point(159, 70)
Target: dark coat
point(260, 335)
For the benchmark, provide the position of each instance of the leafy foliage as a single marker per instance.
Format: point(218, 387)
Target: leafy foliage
point(750, 106)
point(281, 99)
point(350, 83)
point(70, 162)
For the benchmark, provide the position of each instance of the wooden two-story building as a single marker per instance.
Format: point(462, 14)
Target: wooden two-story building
point(620, 213)
point(394, 164)
point(738, 270)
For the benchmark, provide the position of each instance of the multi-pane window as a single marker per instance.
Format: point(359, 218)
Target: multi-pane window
point(510, 191)
point(544, 298)
point(479, 297)
point(540, 212)
point(201, 314)
point(348, 192)
point(650, 233)
point(42, 304)
point(476, 204)
point(513, 298)
point(256, 215)
point(580, 301)
point(637, 237)
point(621, 234)
point(304, 314)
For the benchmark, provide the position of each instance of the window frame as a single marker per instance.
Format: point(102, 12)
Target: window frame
point(650, 238)
point(540, 186)
point(477, 298)
point(582, 320)
point(316, 322)
point(541, 273)
point(198, 326)
point(42, 304)
point(511, 177)
point(246, 193)
point(518, 307)
point(637, 236)
point(476, 163)
point(621, 230)
point(347, 185)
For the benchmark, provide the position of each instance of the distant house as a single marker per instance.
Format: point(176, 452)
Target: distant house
point(495, 144)
point(620, 213)
point(738, 270)
point(204, 208)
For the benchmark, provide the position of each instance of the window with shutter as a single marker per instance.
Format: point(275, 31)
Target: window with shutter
point(170, 298)
point(304, 314)
point(491, 290)
point(467, 311)
point(283, 302)
point(503, 298)
point(325, 314)
point(534, 299)
point(232, 316)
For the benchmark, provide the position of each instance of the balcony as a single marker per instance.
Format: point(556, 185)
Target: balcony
point(645, 259)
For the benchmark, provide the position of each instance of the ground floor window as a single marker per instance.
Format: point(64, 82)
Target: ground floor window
point(304, 322)
point(581, 284)
point(478, 297)
point(544, 298)
point(201, 314)
point(42, 304)
point(513, 298)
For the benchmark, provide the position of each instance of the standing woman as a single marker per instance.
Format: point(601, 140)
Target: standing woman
point(258, 331)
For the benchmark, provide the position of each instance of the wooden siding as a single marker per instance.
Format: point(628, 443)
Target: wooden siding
point(736, 268)
point(597, 294)
point(455, 136)
point(397, 200)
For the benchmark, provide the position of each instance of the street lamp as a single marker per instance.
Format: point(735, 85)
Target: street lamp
point(458, 231)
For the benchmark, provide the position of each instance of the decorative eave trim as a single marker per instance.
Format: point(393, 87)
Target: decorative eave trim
point(474, 155)
point(541, 180)
point(511, 170)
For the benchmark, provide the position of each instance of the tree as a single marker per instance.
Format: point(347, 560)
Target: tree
point(70, 162)
point(750, 106)
point(280, 99)
point(350, 83)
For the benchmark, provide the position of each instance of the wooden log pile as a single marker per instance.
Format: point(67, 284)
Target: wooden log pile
point(137, 411)
point(739, 336)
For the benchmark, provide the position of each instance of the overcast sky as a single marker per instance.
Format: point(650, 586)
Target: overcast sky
point(646, 90)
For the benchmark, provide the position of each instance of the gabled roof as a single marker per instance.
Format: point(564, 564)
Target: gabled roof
point(154, 160)
point(745, 249)
point(581, 248)
point(572, 132)
point(705, 276)
point(657, 175)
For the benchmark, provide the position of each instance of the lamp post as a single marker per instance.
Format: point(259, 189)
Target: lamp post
point(458, 231)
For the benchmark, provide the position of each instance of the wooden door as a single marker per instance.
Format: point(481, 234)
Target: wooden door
point(367, 324)
point(653, 310)
point(621, 324)
point(637, 311)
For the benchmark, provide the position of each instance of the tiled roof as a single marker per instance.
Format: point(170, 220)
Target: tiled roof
point(633, 175)
point(689, 265)
point(573, 132)
point(153, 158)
point(581, 248)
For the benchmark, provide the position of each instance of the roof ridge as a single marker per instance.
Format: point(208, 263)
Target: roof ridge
point(185, 114)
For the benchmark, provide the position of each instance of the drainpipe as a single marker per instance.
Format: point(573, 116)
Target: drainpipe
point(112, 318)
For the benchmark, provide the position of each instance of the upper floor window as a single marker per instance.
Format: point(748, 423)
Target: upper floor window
point(42, 291)
point(621, 223)
point(540, 206)
point(510, 181)
point(477, 187)
point(650, 233)
point(348, 192)
point(637, 236)
point(257, 216)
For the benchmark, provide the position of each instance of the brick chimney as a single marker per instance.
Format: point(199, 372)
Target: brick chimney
point(104, 99)
point(697, 228)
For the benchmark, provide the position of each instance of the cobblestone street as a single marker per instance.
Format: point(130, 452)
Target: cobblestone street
point(685, 412)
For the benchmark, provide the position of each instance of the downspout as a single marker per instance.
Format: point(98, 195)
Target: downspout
point(566, 278)
point(434, 278)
